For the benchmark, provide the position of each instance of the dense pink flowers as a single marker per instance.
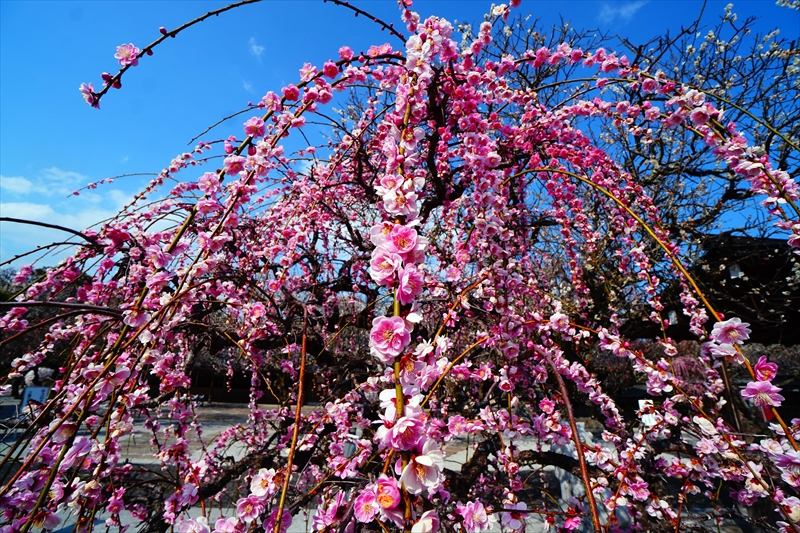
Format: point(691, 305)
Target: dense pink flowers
point(234, 164)
point(789, 463)
point(286, 521)
point(346, 53)
point(411, 196)
point(136, 318)
point(403, 434)
point(193, 525)
point(127, 54)
point(330, 70)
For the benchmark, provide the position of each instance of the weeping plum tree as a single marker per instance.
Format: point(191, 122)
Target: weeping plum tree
point(436, 263)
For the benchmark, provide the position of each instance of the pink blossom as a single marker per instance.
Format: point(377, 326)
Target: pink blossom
point(127, 54)
point(389, 336)
point(423, 471)
point(329, 515)
point(388, 399)
point(286, 521)
point(46, 520)
point(64, 431)
point(379, 232)
point(732, 331)
point(135, 318)
point(765, 371)
point(158, 257)
point(427, 523)
point(307, 71)
point(89, 96)
point(724, 351)
point(229, 525)
point(649, 85)
point(263, 483)
point(789, 463)
point(250, 508)
point(700, 115)
point(513, 519)
point(234, 164)
point(793, 504)
point(400, 202)
point(387, 493)
point(79, 449)
point(401, 240)
point(291, 92)
point(330, 70)
point(383, 265)
point(365, 507)
point(412, 283)
point(763, 393)
point(115, 503)
point(576, 55)
point(639, 490)
point(254, 127)
point(404, 434)
point(272, 102)
point(194, 525)
point(205, 207)
point(209, 183)
point(346, 53)
point(475, 516)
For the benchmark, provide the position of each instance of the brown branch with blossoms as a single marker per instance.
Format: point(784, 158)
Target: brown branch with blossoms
point(128, 55)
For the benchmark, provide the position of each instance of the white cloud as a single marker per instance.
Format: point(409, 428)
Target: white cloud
point(248, 86)
point(619, 11)
point(49, 182)
point(255, 49)
point(18, 238)
point(48, 198)
point(15, 184)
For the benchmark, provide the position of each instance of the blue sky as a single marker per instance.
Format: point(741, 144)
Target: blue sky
point(52, 143)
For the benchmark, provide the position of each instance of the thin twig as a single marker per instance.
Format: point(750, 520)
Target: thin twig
point(111, 311)
point(53, 226)
point(220, 121)
point(375, 19)
point(147, 50)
